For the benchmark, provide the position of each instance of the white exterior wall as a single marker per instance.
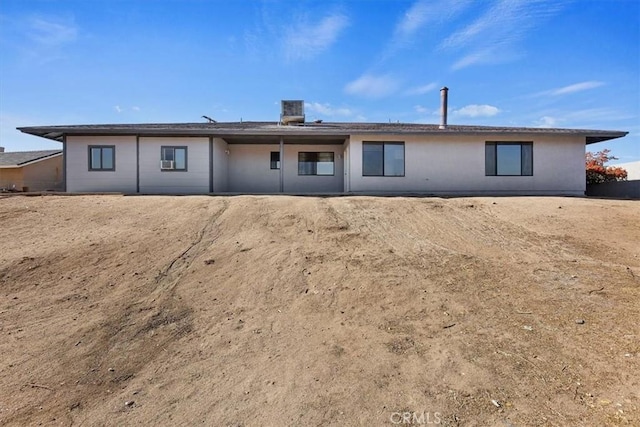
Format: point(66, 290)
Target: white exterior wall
point(80, 179)
point(153, 180)
point(294, 183)
point(220, 165)
point(451, 164)
point(250, 169)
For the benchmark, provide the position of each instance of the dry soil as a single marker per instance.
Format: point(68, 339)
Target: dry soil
point(277, 310)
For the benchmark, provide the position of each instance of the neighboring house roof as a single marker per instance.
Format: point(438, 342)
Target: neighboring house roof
point(23, 158)
point(326, 131)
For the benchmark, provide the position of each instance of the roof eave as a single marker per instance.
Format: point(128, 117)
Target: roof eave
point(57, 133)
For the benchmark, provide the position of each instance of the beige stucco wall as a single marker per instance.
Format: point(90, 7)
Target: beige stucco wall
point(44, 175)
point(456, 164)
point(11, 178)
point(195, 180)
point(80, 179)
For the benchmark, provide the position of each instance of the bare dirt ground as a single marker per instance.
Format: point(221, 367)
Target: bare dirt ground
point(265, 311)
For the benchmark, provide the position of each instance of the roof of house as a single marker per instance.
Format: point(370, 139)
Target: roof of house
point(23, 158)
point(329, 131)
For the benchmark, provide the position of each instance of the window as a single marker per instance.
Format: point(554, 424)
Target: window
point(315, 163)
point(275, 160)
point(509, 159)
point(102, 157)
point(383, 159)
point(173, 158)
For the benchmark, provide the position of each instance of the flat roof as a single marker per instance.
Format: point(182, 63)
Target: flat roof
point(327, 131)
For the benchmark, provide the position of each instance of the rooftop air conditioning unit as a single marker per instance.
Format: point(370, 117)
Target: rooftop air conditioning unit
point(292, 112)
point(166, 164)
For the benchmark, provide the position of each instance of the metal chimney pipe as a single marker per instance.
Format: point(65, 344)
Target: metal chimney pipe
point(1, 149)
point(444, 101)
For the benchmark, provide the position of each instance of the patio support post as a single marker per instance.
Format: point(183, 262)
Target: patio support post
point(281, 164)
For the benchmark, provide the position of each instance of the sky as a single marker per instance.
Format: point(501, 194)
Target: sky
point(532, 63)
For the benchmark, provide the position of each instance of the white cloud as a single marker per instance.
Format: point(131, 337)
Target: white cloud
point(492, 38)
point(577, 87)
point(327, 110)
point(304, 40)
point(475, 110)
point(371, 86)
point(134, 108)
point(421, 110)
point(118, 109)
point(421, 90)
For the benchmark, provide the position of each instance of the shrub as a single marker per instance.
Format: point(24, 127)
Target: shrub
point(598, 172)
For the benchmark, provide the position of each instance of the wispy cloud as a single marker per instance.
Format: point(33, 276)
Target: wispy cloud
point(305, 40)
point(327, 110)
point(42, 38)
point(569, 89)
point(424, 12)
point(585, 118)
point(475, 110)
point(598, 115)
point(118, 109)
point(492, 38)
point(577, 87)
point(547, 122)
point(422, 110)
point(371, 86)
point(52, 31)
point(421, 90)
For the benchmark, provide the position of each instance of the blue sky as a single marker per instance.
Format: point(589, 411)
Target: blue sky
point(555, 63)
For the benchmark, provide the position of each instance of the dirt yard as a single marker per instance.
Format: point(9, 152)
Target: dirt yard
point(267, 311)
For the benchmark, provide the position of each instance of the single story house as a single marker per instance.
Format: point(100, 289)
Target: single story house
point(31, 170)
point(297, 157)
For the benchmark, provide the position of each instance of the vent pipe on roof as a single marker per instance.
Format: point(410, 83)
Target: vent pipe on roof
point(444, 100)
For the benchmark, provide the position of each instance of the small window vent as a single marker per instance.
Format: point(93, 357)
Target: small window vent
point(292, 112)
